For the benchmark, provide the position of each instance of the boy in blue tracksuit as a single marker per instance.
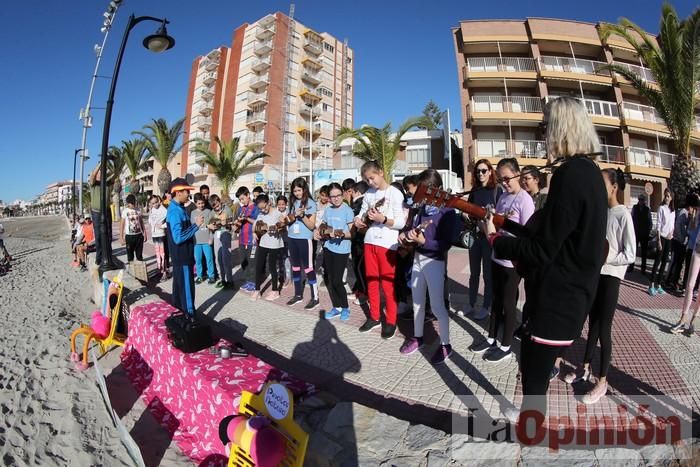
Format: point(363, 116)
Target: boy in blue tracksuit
point(181, 240)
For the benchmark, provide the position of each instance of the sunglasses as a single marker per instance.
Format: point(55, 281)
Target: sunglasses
point(482, 171)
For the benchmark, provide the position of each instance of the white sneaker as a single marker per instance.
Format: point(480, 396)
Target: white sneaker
point(481, 314)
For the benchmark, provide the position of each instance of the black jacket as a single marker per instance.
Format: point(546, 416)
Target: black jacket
point(565, 251)
point(641, 218)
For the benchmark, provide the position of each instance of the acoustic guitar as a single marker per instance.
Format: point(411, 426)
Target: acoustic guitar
point(407, 246)
point(435, 197)
point(365, 219)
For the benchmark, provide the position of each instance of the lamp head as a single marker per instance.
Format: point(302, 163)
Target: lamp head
point(160, 41)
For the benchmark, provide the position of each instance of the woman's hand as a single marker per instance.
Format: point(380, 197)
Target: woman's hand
point(418, 238)
point(299, 212)
point(487, 225)
point(359, 224)
point(317, 234)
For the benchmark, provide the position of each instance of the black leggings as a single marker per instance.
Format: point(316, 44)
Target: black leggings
point(334, 264)
point(266, 256)
point(536, 363)
point(660, 260)
point(600, 322)
point(504, 308)
point(134, 244)
point(301, 257)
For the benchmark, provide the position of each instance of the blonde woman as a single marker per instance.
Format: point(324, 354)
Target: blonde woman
point(561, 259)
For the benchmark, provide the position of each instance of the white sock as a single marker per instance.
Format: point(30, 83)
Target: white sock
point(490, 340)
point(505, 348)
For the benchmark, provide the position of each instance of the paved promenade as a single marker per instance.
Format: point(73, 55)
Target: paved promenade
point(647, 359)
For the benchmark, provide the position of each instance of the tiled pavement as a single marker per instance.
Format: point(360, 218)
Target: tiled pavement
point(647, 360)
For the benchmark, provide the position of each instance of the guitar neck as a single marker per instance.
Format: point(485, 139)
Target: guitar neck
point(500, 221)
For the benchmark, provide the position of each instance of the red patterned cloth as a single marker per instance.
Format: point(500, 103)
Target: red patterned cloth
point(189, 394)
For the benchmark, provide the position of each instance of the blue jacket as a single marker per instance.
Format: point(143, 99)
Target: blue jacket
point(439, 233)
point(181, 234)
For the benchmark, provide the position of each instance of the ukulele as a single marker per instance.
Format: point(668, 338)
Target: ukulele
point(407, 246)
point(365, 219)
point(326, 232)
point(435, 197)
point(261, 228)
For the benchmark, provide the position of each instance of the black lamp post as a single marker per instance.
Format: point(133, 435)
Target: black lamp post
point(158, 42)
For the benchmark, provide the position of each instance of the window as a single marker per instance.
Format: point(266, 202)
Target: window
point(418, 156)
point(325, 107)
point(326, 92)
point(328, 47)
point(349, 60)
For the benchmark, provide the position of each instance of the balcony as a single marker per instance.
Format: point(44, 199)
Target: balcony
point(213, 55)
point(311, 77)
point(254, 139)
point(312, 63)
point(211, 65)
point(559, 67)
point(313, 47)
point(310, 95)
point(206, 94)
point(256, 119)
point(643, 157)
point(643, 116)
point(265, 32)
point(598, 108)
point(315, 111)
point(315, 149)
point(209, 78)
point(642, 72)
point(261, 64)
point(480, 67)
point(612, 154)
point(491, 108)
point(204, 108)
point(262, 48)
point(257, 98)
point(303, 129)
point(531, 149)
point(259, 80)
point(204, 123)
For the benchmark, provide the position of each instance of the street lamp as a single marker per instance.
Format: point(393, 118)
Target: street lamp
point(158, 42)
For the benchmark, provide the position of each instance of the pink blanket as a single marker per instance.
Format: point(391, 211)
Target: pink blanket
point(189, 394)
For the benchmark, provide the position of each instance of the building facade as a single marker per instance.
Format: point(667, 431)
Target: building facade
point(509, 69)
point(282, 88)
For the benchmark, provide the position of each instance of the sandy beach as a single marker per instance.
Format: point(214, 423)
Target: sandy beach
point(51, 413)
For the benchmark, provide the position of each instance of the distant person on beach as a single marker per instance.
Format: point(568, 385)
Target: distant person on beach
point(5, 254)
point(181, 232)
point(86, 243)
point(156, 221)
point(204, 240)
point(132, 231)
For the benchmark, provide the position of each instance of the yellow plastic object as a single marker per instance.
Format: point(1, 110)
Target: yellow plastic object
point(113, 338)
point(297, 439)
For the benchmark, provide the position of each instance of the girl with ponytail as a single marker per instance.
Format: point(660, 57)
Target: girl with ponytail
point(621, 253)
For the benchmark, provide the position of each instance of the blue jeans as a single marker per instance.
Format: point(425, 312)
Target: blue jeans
point(208, 252)
point(480, 255)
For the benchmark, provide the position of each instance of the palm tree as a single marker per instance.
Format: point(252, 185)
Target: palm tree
point(228, 163)
point(161, 143)
point(134, 155)
point(674, 61)
point(115, 168)
point(374, 143)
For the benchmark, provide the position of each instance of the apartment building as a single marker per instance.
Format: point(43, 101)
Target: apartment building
point(282, 88)
point(509, 69)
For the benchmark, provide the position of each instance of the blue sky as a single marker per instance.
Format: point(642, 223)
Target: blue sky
point(404, 56)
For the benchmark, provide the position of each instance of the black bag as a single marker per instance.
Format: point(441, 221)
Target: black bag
point(187, 334)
